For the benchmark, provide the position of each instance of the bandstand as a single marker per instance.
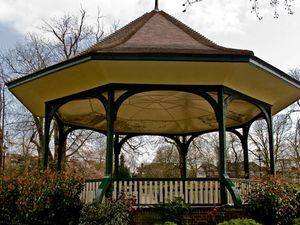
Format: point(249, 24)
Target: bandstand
point(157, 76)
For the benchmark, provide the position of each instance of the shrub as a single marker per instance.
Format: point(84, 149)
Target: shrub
point(296, 221)
point(272, 201)
point(240, 222)
point(111, 212)
point(174, 211)
point(169, 223)
point(9, 194)
point(41, 199)
point(166, 223)
point(215, 216)
point(296, 190)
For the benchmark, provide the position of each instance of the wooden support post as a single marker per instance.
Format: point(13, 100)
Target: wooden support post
point(45, 152)
point(183, 154)
point(110, 118)
point(110, 134)
point(117, 151)
point(271, 142)
point(61, 143)
point(222, 144)
point(245, 150)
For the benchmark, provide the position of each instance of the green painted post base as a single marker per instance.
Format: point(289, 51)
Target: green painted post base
point(233, 191)
point(103, 188)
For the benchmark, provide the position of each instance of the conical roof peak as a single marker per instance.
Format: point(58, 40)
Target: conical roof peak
point(158, 32)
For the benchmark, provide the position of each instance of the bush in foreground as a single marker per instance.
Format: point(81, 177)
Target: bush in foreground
point(273, 201)
point(240, 222)
point(295, 187)
point(44, 199)
point(296, 221)
point(175, 211)
point(166, 223)
point(111, 212)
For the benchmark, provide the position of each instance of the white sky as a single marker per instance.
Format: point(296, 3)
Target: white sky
point(226, 22)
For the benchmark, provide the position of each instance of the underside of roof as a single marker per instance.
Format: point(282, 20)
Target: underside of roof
point(154, 112)
point(156, 49)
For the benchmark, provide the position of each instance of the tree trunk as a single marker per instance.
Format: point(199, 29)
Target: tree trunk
point(1, 152)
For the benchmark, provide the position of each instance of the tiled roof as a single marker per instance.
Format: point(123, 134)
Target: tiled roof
point(158, 32)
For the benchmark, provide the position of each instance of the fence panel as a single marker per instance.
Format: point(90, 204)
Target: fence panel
point(197, 191)
point(158, 191)
point(89, 191)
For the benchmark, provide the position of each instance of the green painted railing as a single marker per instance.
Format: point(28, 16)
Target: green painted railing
point(103, 188)
point(235, 195)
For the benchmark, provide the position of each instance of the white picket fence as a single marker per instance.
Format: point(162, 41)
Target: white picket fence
point(198, 191)
point(89, 191)
point(148, 192)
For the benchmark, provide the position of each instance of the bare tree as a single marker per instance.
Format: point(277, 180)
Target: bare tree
point(140, 149)
point(61, 39)
point(294, 144)
point(235, 156)
point(295, 73)
point(71, 34)
point(2, 128)
point(164, 165)
point(203, 155)
point(255, 6)
point(259, 143)
point(294, 139)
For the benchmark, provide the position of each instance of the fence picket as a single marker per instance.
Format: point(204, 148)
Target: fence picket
point(196, 192)
point(150, 193)
point(201, 193)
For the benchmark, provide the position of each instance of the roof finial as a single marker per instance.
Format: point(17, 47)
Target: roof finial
point(156, 5)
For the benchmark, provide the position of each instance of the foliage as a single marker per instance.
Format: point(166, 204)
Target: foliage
point(273, 201)
point(159, 170)
point(124, 171)
point(166, 163)
point(41, 199)
point(240, 222)
point(175, 211)
point(111, 212)
point(9, 194)
point(296, 221)
point(296, 190)
point(215, 216)
point(167, 223)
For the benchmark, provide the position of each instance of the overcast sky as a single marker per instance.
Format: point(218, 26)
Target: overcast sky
point(226, 22)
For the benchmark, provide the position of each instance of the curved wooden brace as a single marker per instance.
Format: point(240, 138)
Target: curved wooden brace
point(93, 93)
point(262, 109)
